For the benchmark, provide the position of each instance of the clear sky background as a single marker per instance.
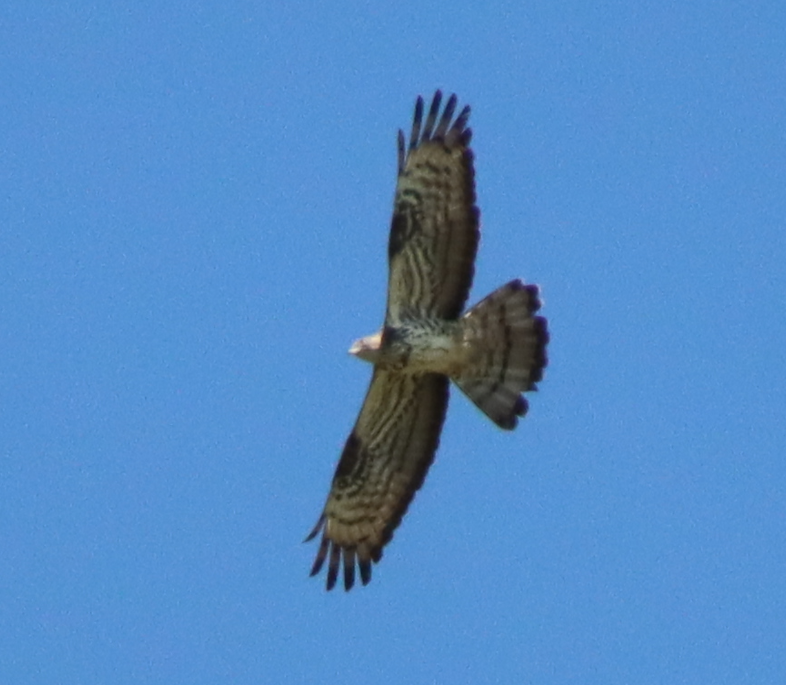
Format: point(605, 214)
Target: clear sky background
point(194, 208)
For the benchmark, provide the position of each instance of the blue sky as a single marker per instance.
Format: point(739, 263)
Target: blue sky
point(193, 220)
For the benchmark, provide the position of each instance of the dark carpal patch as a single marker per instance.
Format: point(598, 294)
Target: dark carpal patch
point(398, 234)
point(402, 226)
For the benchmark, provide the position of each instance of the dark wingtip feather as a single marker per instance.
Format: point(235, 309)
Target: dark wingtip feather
point(317, 528)
point(335, 554)
point(437, 126)
point(333, 564)
point(365, 570)
point(447, 115)
point(321, 555)
point(417, 120)
point(349, 568)
point(461, 120)
point(431, 119)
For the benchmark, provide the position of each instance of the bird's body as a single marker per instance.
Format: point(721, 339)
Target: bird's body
point(427, 345)
point(493, 352)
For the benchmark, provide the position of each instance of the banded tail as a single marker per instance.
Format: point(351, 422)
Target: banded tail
point(509, 352)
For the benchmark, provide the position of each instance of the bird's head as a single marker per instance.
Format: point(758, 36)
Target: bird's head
point(367, 348)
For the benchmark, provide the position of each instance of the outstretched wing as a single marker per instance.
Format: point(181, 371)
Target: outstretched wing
point(384, 462)
point(434, 232)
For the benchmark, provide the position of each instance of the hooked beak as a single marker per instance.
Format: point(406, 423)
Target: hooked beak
point(367, 348)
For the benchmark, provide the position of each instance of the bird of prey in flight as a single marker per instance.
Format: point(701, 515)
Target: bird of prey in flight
point(493, 352)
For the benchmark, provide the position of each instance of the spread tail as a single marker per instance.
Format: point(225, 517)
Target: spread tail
point(508, 343)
